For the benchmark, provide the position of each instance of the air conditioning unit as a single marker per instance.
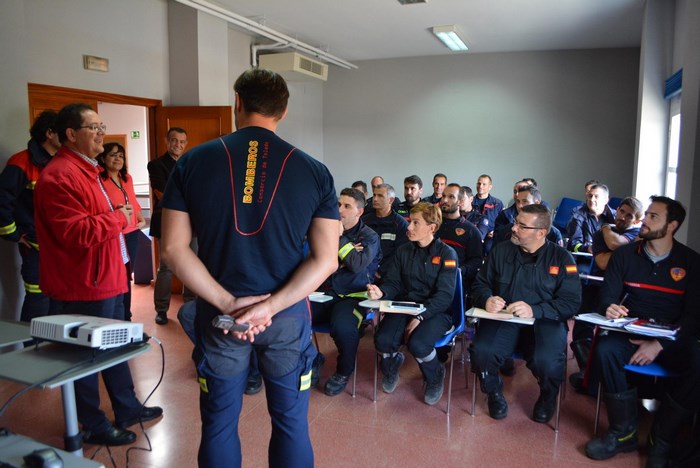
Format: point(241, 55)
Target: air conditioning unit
point(293, 65)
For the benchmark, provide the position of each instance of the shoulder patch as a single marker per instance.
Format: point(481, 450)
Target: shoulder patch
point(677, 273)
point(571, 269)
point(459, 231)
point(554, 270)
point(436, 260)
point(450, 263)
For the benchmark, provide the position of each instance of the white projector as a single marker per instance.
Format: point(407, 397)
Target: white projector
point(85, 330)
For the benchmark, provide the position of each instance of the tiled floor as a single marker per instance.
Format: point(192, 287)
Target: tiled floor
point(397, 430)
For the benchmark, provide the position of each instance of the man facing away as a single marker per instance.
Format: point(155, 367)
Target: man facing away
point(159, 172)
point(17, 183)
point(82, 260)
point(251, 265)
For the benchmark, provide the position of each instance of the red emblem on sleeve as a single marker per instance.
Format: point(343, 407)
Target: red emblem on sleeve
point(554, 270)
point(436, 260)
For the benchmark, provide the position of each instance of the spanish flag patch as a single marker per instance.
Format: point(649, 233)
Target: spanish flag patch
point(571, 269)
point(554, 270)
point(450, 263)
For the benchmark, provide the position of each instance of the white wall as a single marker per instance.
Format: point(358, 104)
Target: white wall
point(562, 117)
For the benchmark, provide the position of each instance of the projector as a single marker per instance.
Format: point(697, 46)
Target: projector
point(85, 330)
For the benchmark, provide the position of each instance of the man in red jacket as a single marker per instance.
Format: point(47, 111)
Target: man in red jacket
point(82, 263)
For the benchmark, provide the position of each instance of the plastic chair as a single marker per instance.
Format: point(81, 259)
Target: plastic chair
point(653, 370)
point(449, 339)
point(614, 202)
point(326, 328)
point(560, 394)
point(563, 213)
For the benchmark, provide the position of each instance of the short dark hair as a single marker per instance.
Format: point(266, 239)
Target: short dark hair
point(439, 174)
point(175, 129)
point(467, 191)
point(71, 116)
point(591, 182)
point(635, 204)
point(101, 160)
point(44, 122)
point(413, 179)
point(263, 92)
point(460, 194)
point(361, 184)
point(358, 196)
point(674, 209)
point(534, 191)
point(529, 180)
point(544, 216)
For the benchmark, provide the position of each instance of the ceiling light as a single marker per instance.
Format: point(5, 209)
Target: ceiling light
point(448, 35)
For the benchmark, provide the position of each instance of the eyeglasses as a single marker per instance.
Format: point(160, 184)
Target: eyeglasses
point(97, 128)
point(119, 155)
point(522, 226)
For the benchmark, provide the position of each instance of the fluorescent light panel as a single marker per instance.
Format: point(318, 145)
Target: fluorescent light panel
point(448, 35)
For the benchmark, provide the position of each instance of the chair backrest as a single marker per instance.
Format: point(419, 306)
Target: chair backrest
point(457, 306)
point(563, 214)
point(614, 202)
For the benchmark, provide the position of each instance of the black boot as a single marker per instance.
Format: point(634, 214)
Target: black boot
point(581, 350)
point(622, 426)
point(390, 372)
point(492, 385)
point(434, 374)
point(667, 423)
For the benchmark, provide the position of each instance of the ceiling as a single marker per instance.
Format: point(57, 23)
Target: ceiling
point(356, 30)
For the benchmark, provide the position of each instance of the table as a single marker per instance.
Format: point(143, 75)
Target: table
point(13, 332)
point(51, 365)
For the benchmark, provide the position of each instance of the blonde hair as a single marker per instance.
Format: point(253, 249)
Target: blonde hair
point(432, 214)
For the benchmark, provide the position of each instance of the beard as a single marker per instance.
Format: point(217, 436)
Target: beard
point(651, 235)
point(449, 209)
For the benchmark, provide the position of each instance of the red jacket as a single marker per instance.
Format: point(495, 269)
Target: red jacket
point(80, 257)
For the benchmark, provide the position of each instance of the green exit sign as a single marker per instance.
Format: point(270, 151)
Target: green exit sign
point(135, 135)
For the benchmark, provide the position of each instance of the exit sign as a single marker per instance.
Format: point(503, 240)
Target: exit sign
point(135, 135)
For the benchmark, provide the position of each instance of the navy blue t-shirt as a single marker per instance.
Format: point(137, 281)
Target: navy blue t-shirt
point(251, 197)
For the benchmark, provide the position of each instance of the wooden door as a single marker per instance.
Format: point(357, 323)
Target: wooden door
point(202, 123)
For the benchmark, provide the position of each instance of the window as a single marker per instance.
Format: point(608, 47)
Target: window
point(674, 133)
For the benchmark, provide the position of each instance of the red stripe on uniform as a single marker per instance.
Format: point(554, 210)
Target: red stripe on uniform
point(654, 288)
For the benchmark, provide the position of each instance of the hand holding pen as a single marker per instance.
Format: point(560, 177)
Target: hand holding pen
point(616, 311)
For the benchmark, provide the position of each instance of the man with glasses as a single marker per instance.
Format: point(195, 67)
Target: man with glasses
point(159, 172)
point(529, 278)
point(82, 262)
point(17, 183)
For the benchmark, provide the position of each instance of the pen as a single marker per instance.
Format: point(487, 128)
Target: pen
point(624, 298)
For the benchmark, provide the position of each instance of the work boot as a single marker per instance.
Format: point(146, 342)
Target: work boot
point(667, 423)
point(161, 318)
point(390, 372)
point(253, 384)
point(545, 407)
point(622, 426)
point(492, 385)
point(434, 375)
point(316, 369)
point(336, 384)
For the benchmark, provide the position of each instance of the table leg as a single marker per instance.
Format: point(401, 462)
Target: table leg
point(73, 439)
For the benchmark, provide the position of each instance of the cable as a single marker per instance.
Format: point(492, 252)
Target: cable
point(149, 448)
